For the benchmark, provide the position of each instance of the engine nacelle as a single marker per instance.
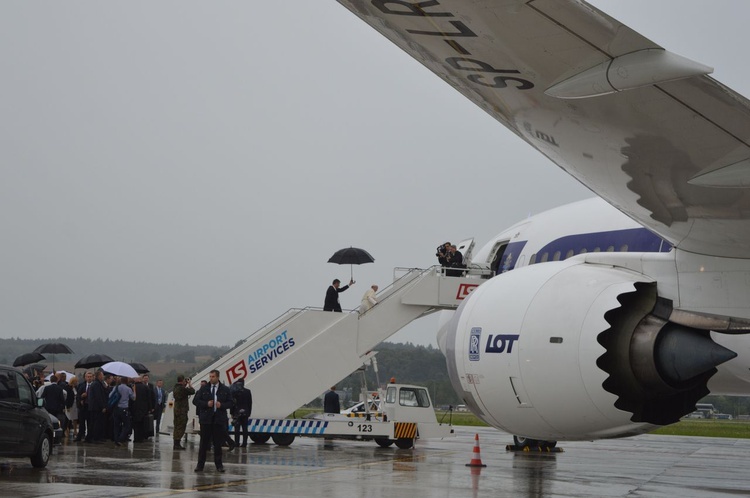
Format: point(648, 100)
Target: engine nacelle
point(568, 350)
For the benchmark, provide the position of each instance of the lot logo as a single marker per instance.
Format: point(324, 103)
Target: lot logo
point(474, 336)
point(498, 343)
point(464, 290)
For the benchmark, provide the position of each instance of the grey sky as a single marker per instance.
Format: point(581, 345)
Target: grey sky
point(181, 171)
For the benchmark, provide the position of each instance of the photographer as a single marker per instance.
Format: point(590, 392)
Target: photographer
point(442, 254)
point(181, 392)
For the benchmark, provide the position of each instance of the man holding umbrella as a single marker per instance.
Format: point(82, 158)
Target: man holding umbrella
point(332, 295)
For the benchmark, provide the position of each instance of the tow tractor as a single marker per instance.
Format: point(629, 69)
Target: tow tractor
point(407, 414)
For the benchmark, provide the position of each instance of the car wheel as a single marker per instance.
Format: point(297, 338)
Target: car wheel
point(43, 452)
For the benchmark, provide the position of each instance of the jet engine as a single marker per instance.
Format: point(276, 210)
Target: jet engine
point(570, 350)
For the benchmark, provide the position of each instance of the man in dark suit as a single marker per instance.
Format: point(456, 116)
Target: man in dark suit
point(332, 295)
point(161, 403)
point(143, 406)
point(331, 402)
point(97, 408)
point(243, 407)
point(84, 427)
point(212, 400)
point(54, 398)
point(152, 410)
point(455, 260)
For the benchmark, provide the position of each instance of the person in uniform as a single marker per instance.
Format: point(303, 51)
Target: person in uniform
point(181, 392)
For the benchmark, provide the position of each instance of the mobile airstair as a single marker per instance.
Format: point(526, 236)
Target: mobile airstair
point(293, 359)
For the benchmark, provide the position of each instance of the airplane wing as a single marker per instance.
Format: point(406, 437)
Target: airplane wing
point(645, 129)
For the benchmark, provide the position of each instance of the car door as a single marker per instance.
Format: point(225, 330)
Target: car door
point(10, 414)
point(31, 418)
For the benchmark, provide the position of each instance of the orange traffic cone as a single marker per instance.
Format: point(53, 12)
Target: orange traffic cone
point(476, 458)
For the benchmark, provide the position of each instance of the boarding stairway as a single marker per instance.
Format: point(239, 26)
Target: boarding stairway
point(297, 356)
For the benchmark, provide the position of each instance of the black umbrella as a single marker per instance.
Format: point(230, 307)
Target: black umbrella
point(27, 358)
point(53, 348)
point(351, 256)
point(36, 367)
point(139, 367)
point(93, 360)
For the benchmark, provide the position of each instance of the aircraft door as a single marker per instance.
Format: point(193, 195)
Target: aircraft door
point(465, 247)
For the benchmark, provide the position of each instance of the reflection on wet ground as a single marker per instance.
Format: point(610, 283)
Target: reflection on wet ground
point(641, 466)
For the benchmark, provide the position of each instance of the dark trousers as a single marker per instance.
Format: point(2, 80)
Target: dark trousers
point(211, 433)
point(157, 419)
point(83, 423)
point(139, 429)
point(240, 424)
point(121, 418)
point(96, 428)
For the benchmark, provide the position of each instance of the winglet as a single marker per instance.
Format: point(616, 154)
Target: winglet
point(633, 70)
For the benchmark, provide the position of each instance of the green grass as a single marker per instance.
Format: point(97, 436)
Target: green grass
point(707, 428)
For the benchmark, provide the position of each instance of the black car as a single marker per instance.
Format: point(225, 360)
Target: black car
point(26, 429)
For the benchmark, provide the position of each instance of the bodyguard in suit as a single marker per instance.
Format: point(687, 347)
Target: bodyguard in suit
point(142, 407)
point(97, 408)
point(82, 394)
point(332, 295)
point(212, 400)
point(161, 403)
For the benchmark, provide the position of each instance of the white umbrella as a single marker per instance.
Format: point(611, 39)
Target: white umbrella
point(120, 368)
point(68, 375)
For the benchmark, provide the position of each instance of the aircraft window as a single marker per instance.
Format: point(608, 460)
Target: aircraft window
point(570, 254)
point(611, 249)
point(532, 259)
point(624, 248)
point(583, 251)
point(390, 396)
point(556, 256)
point(597, 249)
point(545, 257)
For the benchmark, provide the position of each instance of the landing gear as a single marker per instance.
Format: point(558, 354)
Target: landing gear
point(524, 442)
point(547, 445)
point(527, 444)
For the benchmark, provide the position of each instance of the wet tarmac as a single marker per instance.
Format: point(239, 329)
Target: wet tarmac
point(647, 466)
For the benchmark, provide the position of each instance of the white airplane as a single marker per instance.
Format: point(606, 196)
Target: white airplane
point(611, 316)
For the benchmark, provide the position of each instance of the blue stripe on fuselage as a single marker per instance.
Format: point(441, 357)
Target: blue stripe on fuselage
point(628, 240)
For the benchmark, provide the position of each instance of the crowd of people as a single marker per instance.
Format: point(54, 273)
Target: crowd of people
point(103, 407)
point(449, 256)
